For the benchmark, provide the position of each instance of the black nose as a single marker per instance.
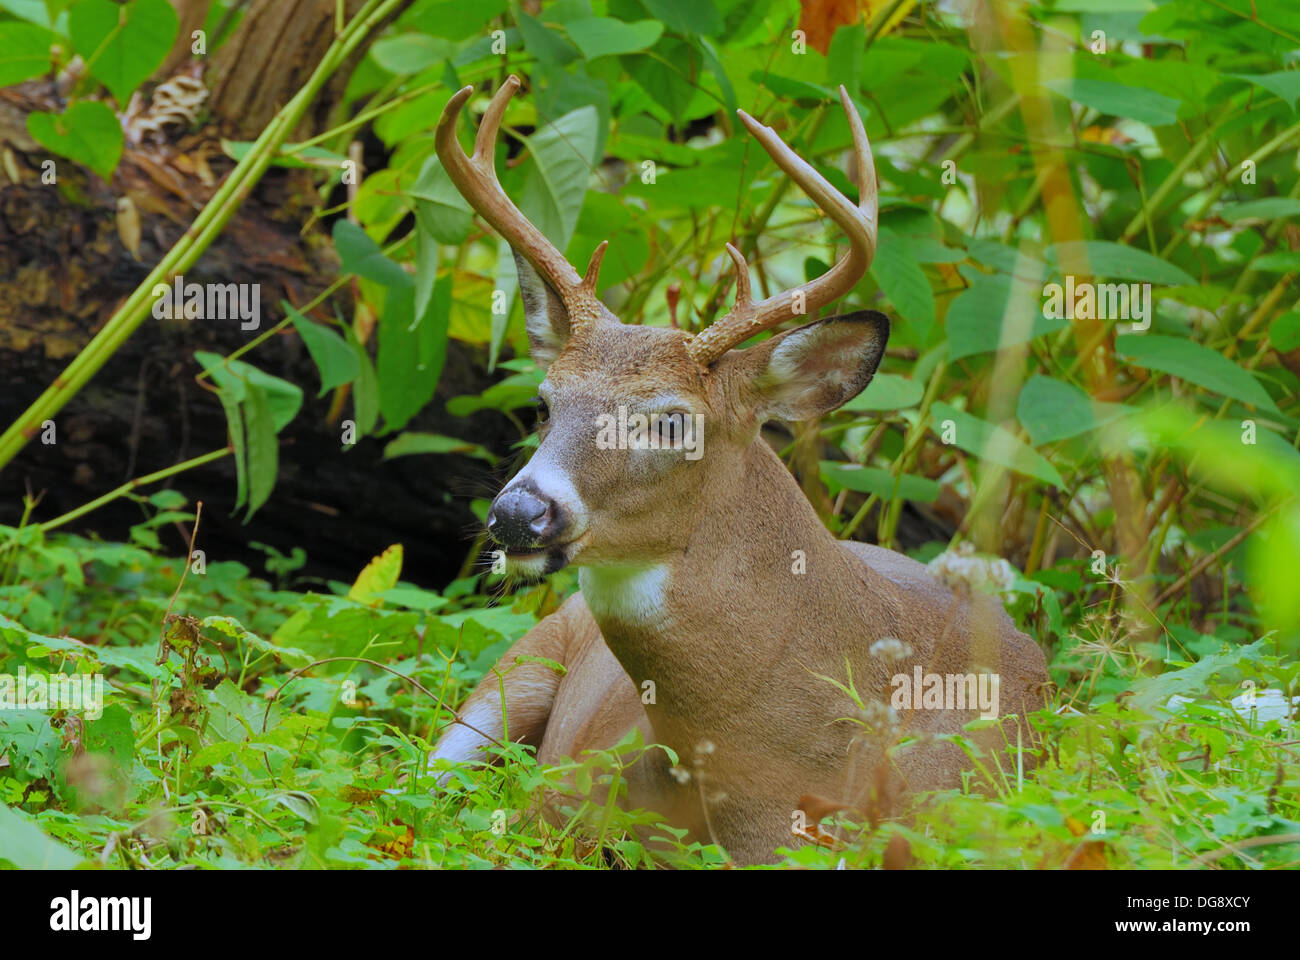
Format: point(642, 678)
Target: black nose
point(522, 518)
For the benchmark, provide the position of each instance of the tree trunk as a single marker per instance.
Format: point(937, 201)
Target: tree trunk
point(70, 254)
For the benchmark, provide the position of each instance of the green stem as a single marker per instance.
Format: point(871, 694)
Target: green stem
point(132, 485)
point(187, 250)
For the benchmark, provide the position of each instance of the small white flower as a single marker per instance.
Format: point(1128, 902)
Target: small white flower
point(890, 648)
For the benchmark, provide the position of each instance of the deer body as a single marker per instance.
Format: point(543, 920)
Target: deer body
point(713, 579)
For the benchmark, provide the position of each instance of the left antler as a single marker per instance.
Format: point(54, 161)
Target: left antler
point(747, 317)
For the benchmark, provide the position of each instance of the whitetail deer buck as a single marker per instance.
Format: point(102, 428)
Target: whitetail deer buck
point(713, 577)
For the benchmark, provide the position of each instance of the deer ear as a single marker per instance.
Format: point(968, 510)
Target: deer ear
point(811, 370)
point(545, 318)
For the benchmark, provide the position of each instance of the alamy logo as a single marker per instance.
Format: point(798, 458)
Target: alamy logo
point(675, 430)
point(209, 301)
point(1099, 301)
point(75, 913)
point(946, 691)
point(59, 691)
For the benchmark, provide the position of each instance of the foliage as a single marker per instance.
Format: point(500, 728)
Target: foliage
point(1139, 469)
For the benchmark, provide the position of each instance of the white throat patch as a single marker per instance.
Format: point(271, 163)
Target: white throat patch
point(629, 594)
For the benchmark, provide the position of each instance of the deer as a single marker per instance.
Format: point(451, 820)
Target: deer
point(687, 584)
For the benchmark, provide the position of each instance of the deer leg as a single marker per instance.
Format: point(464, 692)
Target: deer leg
point(513, 701)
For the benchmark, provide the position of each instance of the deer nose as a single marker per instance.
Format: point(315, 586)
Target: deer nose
point(520, 518)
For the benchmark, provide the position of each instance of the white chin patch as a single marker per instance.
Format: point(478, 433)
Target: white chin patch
point(625, 594)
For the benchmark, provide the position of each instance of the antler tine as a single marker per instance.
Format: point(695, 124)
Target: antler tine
point(476, 178)
point(859, 223)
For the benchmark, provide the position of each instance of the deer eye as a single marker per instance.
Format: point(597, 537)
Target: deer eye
point(543, 411)
point(670, 427)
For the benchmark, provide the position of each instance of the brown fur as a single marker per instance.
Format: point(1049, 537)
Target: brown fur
point(738, 640)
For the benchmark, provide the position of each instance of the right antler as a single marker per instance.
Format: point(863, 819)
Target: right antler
point(476, 178)
point(747, 317)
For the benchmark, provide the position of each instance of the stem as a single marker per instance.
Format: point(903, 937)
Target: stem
point(132, 485)
point(187, 250)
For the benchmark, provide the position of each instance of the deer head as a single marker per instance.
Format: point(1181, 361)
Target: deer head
point(674, 396)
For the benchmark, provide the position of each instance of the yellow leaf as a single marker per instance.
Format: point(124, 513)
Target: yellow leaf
point(380, 574)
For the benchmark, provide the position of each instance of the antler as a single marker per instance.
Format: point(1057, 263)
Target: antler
point(747, 317)
point(476, 178)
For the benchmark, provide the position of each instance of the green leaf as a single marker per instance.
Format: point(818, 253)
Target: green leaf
point(26, 846)
point(1197, 364)
point(360, 255)
point(1051, 410)
point(24, 52)
point(548, 47)
point(411, 52)
point(1119, 100)
point(410, 443)
point(850, 476)
point(365, 392)
point(122, 44)
point(333, 357)
point(1283, 83)
point(687, 16)
point(87, 133)
point(1114, 260)
point(263, 449)
point(1284, 332)
point(605, 36)
point(995, 312)
point(440, 210)
point(990, 442)
point(1270, 208)
point(904, 282)
point(411, 353)
point(555, 183)
point(887, 391)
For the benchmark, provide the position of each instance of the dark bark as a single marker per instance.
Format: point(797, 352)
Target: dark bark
point(66, 263)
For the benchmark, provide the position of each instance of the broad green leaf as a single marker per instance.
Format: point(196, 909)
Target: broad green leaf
point(556, 181)
point(1284, 332)
point(1119, 100)
point(411, 352)
point(24, 52)
point(1269, 208)
point(990, 442)
point(410, 443)
point(997, 311)
point(1271, 556)
point(440, 209)
point(687, 16)
point(379, 575)
point(887, 391)
point(360, 255)
point(365, 392)
point(1051, 410)
point(284, 398)
point(1197, 364)
point(27, 847)
point(605, 36)
point(1116, 261)
point(333, 357)
point(87, 133)
point(411, 52)
point(122, 44)
point(263, 448)
point(1218, 453)
point(413, 598)
point(547, 46)
point(904, 282)
point(849, 476)
point(453, 19)
point(1283, 83)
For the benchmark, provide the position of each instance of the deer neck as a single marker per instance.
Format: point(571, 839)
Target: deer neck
point(754, 595)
